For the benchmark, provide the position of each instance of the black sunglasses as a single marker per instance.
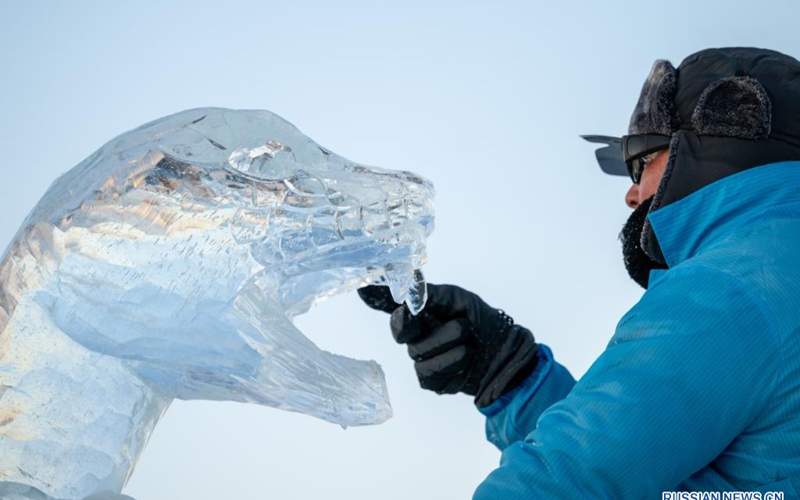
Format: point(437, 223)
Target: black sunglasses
point(627, 155)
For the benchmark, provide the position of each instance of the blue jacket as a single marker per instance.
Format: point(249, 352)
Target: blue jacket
point(699, 387)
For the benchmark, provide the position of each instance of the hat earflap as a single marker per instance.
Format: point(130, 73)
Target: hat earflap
point(736, 106)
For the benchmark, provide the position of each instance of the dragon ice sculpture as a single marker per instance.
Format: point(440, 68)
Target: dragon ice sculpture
point(169, 264)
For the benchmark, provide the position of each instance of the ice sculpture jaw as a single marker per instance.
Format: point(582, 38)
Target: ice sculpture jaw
point(166, 266)
point(362, 400)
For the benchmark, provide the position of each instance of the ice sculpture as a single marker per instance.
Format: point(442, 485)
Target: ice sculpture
point(169, 264)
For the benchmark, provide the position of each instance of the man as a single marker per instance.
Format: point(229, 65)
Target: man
point(699, 387)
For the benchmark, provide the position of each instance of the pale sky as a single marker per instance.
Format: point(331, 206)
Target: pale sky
point(487, 101)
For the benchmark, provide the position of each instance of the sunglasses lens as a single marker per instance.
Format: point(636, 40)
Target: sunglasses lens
point(638, 149)
point(636, 170)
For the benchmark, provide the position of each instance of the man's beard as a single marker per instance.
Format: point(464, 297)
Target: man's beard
point(636, 261)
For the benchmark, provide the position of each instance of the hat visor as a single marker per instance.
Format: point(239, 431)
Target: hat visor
point(609, 157)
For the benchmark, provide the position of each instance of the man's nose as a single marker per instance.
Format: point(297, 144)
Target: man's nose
point(632, 196)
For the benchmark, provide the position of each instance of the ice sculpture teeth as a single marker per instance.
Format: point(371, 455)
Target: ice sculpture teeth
point(170, 264)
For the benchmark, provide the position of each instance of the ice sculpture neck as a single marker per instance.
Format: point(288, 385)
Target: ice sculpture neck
point(73, 422)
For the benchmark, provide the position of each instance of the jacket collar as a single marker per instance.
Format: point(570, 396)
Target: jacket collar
point(686, 227)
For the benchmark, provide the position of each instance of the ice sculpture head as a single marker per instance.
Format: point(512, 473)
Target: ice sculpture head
point(184, 248)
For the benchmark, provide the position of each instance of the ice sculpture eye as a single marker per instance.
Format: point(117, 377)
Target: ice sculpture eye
point(271, 160)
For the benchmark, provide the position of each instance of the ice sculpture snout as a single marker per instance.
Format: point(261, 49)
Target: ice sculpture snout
point(336, 218)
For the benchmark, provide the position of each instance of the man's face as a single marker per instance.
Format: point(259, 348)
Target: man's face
point(639, 197)
point(651, 178)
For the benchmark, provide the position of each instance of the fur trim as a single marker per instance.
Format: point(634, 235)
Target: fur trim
point(655, 110)
point(648, 241)
point(737, 106)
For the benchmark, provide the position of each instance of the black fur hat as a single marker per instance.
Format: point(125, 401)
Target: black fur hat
point(727, 110)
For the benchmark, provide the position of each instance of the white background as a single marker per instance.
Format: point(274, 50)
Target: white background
point(486, 100)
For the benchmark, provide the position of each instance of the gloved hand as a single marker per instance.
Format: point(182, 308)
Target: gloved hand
point(459, 343)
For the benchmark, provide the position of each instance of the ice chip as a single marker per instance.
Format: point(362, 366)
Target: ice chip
point(407, 285)
point(169, 265)
point(418, 293)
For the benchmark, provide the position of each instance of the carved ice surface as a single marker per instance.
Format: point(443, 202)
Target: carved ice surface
point(169, 264)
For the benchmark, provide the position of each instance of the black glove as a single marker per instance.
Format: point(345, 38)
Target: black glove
point(459, 343)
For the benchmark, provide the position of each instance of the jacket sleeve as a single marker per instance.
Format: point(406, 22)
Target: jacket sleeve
point(513, 415)
point(685, 372)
